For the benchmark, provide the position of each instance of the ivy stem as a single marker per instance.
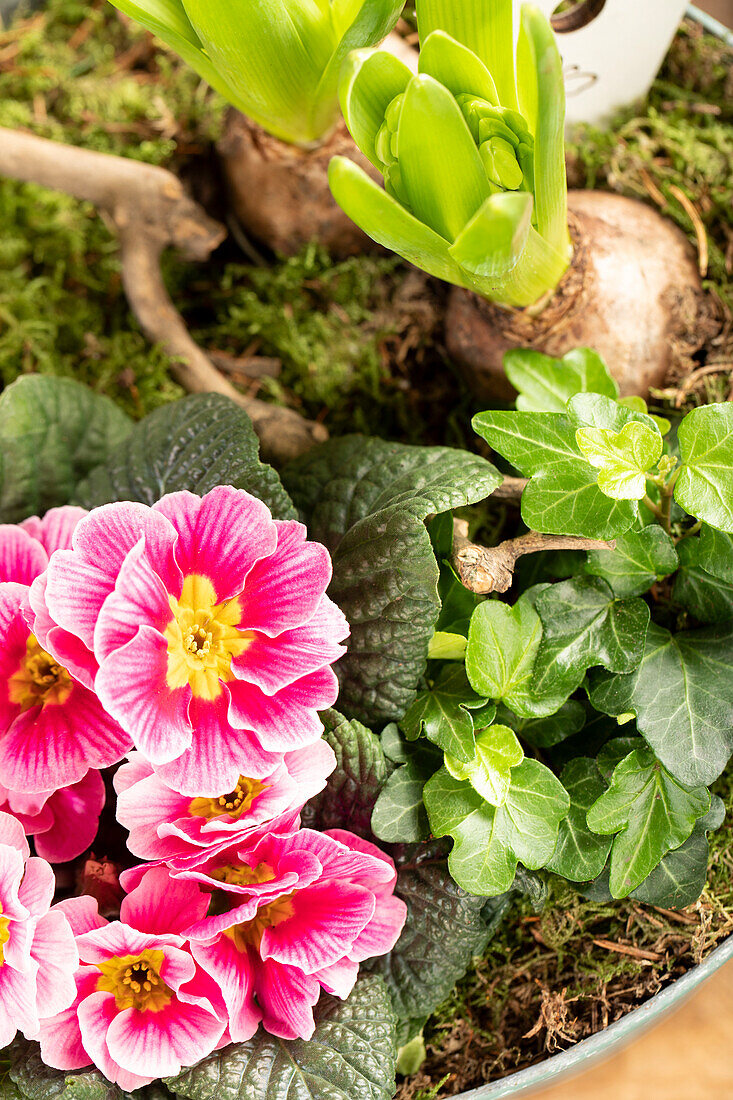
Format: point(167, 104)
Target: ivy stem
point(654, 509)
point(692, 531)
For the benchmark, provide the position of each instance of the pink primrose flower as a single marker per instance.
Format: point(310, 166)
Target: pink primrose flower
point(207, 630)
point(63, 823)
point(289, 915)
point(143, 1008)
point(181, 831)
point(38, 956)
point(53, 729)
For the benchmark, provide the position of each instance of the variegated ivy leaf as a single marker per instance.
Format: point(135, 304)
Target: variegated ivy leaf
point(622, 458)
point(489, 773)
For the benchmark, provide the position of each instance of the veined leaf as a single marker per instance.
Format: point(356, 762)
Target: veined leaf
point(502, 646)
point(704, 487)
point(352, 789)
point(456, 67)
point(489, 773)
point(707, 597)
point(488, 34)
point(680, 878)
point(550, 730)
point(637, 561)
point(716, 553)
point(546, 384)
point(580, 855)
point(622, 458)
point(442, 713)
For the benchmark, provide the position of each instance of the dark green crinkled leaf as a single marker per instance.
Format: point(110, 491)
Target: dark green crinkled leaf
point(361, 772)
point(489, 841)
point(583, 626)
point(546, 384)
point(639, 559)
point(680, 878)
point(580, 855)
point(36, 1081)
point(650, 813)
point(195, 444)
point(367, 500)
point(704, 487)
point(707, 597)
point(352, 1054)
point(682, 697)
point(442, 713)
point(53, 431)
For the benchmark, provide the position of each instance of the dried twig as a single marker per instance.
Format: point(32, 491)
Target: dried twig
point(484, 569)
point(632, 952)
point(150, 211)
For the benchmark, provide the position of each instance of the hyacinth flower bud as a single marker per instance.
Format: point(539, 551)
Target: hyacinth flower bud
point(277, 61)
point(471, 151)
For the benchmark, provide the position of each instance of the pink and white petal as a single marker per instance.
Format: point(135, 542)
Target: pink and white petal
point(56, 745)
point(18, 1001)
point(96, 1014)
point(221, 535)
point(82, 914)
point(68, 650)
point(134, 770)
point(17, 947)
point(233, 972)
point(218, 754)
point(22, 557)
point(37, 888)
point(132, 686)
point(145, 807)
point(76, 811)
point(339, 860)
point(287, 997)
point(139, 598)
point(61, 1045)
point(274, 663)
point(283, 722)
point(326, 921)
point(11, 874)
point(12, 834)
point(14, 634)
point(56, 529)
point(284, 590)
point(161, 904)
point(340, 978)
point(311, 767)
point(383, 930)
point(116, 938)
point(376, 870)
point(54, 949)
point(160, 1044)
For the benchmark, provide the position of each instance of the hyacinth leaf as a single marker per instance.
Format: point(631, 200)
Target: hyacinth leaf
point(638, 560)
point(682, 697)
point(370, 80)
point(352, 1053)
point(680, 878)
point(489, 773)
point(527, 84)
point(622, 458)
point(650, 812)
point(484, 27)
point(456, 67)
point(53, 431)
point(388, 223)
point(367, 501)
point(551, 198)
point(708, 598)
point(704, 487)
point(441, 168)
point(489, 841)
point(502, 646)
point(562, 497)
point(494, 239)
point(353, 786)
point(546, 384)
point(583, 626)
point(580, 855)
point(442, 713)
point(213, 442)
point(373, 21)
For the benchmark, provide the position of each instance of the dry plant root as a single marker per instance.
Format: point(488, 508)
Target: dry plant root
point(150, 211)
point(632, 293)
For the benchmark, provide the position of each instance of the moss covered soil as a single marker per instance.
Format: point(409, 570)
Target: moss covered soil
point(358, 345)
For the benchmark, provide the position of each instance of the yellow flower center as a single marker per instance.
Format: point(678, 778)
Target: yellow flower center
point(40, 680)
point(4, 935)
point(203, 638)
point(249, 933)
point(234, 804)
point(135, 981)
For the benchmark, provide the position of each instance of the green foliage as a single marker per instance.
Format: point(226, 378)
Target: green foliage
point(352, 1053)
point(580, 855)
point(502, 646)
point(546, 384)
point(443, 713)
point(352, 789)
point(706, 451)
point(638, 559)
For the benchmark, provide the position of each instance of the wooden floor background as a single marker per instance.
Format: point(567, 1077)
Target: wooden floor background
point(689, 1056)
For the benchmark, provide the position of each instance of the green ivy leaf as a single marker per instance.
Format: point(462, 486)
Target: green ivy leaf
point(53, 431)
point(682, 697)
point(195, 444)
point(716, 553)
point(583, 626)
point(546, 384)
point(502, 646)
point(497, 752)
point(580, 855)
point(707, 597)
point(680, 878)
point(442, 713)
point(622, 458)
point(639, 559)
point(367, 501)
point(562, 497)
point(352, 1053)
point(650, 813)
point(704, 487)
point(545, 733)
point(399, 815)
point(361, 772)
point(489, 841)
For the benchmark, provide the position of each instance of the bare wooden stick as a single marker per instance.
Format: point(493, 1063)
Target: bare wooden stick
point(150, 212)
point(484, 569)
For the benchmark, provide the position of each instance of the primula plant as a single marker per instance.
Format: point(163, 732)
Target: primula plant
point(277, 61)
point(471, 150)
